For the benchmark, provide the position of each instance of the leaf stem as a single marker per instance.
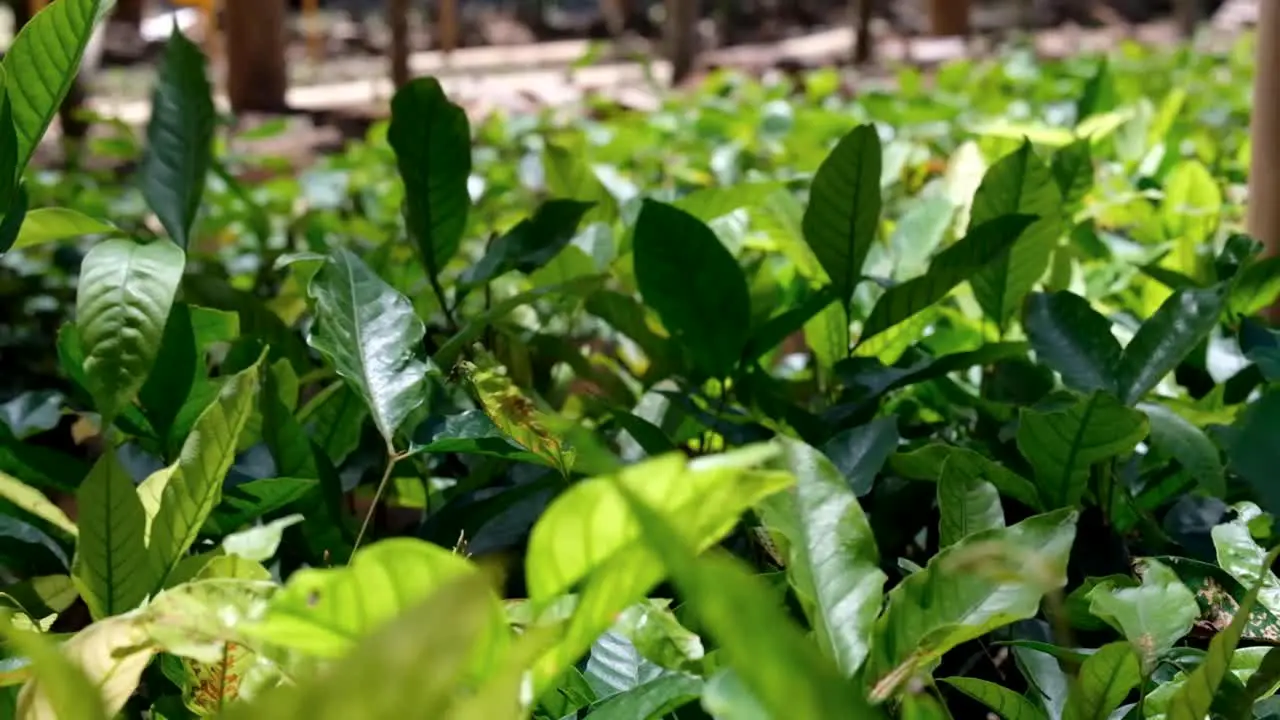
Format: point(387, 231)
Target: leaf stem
point(444, 304)
point(392, 458)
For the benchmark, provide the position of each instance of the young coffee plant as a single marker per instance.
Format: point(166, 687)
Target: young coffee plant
point(737, 409)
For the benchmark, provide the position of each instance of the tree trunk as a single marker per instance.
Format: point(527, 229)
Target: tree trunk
point(863, 48)
point(615, 14)
point(255, 41)
point(129, 12)
point(1188, 15)
point(949, 17)
point(680, 27)
point(448, 21)
point(1264, 167)
point(398, 19)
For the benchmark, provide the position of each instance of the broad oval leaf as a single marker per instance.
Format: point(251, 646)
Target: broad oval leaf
point(1241, 556)
point(1062, 444)
point(1174, 436)
point(708, 313)
point(967, 504)
point(834, 563)
point(532, 243)
point(1152, 616)
point(985, 245)
point(1192, 204)
point(110, 566)
point(112, 654)
point(74, 694)
point(35, 502)
point(41, 64)
point(859, 453)
point(1018, 183)
point(656, 698)
point(179, 138)
point(518, 417)
point(432, 141)
point(1073, 339)
point(179, 498)
point(1177, 327)
point(325, 612)
point(986, 581)
point(1004, 702)
point(844, 209)
point(1106, 679)
point(123, 300)
point(54, 224)
point(589, 524)
point(373, 338)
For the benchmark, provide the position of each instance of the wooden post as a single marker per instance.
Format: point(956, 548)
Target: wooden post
point(1187, 13)
point(398, 19)
point(449, 20)
point(863, 48)
point(257, 76)
point(1264, 166)
point(680, 27)
point(949, 17)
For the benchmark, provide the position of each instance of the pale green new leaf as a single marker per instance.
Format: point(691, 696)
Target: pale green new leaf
point(110, 653)
point(110, 568)
point(1241, 556)
point(844, 209)
point(73, 694)
point(125, 292)
point(179, 138)
point(1105, 680)
point(326, 611)
point(179, 498)
point(1018, 183)
point(1152, 616)
point(413, 666)
point(589, 524)
point(54, 224)
point(967, 504)
point(1190, 211)
point(35, 502)
point(986, 581)
point(834, 563)
point(41, 64)
point(373, 338)
point(1004, 702)
point(1062, 444)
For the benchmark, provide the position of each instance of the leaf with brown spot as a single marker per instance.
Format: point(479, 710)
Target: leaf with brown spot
point(1219, 596)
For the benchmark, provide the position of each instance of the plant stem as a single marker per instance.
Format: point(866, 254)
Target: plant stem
point(444, 305)
point(392, 458)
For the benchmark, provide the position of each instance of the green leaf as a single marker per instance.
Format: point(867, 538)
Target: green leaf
point(1099, 93)
point(859, 453)
point(373, 338)
point(179, 498)
point(568, 175)
point(1195, 697)
point(967, 504)
point(1219, 595)
point(41, 64)
point(1072, 168)
point(710, 318)
point(111, 567)
point(843, 216)
point(984, 245)
point(532, 243)
point(1192, 204)
point(1239, 554)
point(179, 138)
point(775, 661)
point(1177, 327)
point(71, 693)
point(988, 580)
point(1004, 702)
point(1174, 436)
point(1106, 679)
point(122, 303)
point(245, 502)
point(35, 502)
point(54, 224)
point(11, 223)
point(325, 612)
point(432, 142)
point(1018, 183)
point(1253, 452)
point(1062, 444)
point(1073, 339)
point(415, 663)
point(834, 563)
point(654, 699)
point(518, 418)
point(589, 523)
point(1152, 617)
point(928, 463)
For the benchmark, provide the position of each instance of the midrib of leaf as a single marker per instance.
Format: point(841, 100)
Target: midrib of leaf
point(122, 295)
point(1007, 260)
point(849, 271)
point(1060, 494)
